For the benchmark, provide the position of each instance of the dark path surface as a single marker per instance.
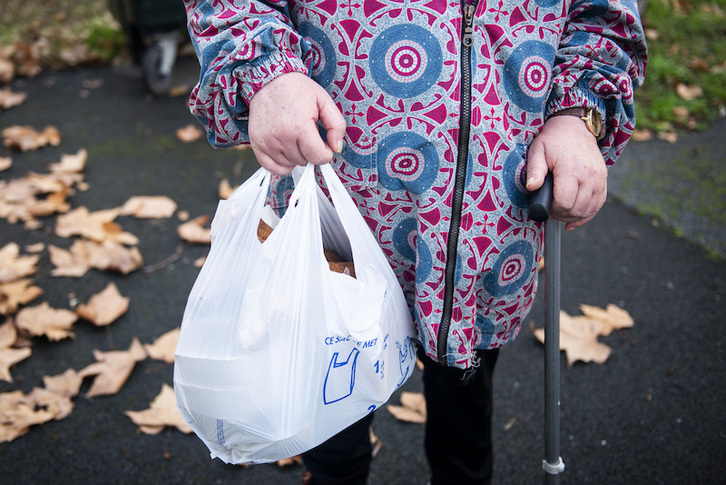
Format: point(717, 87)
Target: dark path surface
point(653, 413)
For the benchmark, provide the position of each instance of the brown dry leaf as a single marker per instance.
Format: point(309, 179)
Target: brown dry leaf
point(84, 255)
point(149, 207)
point(412, 409)
point(104, 307)
point(10, 99)
point(71, 163)
point(189, 134)
point(8, 334)
point(25, 138)
point(35, 248)
point(7, 71)
point(162, 412)
point(67, 384)
point(5, 163)
point(97, 226)
point(194, 231)
point(612, 317)
point(642, 135)
point(687, 92)
point(58, 405)
point(112, 369)
point(578, 338)
point(669, 136)
point(54, 323)
point(163, 347)
point(10, 357)
point(13, 266)
point(225, 190)
point(16, 293)
point(295, 460)
point(17, 416)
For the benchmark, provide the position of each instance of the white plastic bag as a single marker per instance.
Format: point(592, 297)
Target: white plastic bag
point(277, 353)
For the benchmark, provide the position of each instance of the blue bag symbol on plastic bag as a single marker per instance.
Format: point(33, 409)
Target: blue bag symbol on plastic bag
point(340, 379)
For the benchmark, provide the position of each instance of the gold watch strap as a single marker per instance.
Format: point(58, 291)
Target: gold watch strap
point(590, 116)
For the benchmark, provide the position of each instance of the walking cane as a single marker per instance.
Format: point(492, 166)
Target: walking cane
point(539, 209)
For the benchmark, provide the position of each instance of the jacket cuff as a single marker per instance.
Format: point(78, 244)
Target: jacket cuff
point(575, 97)
point(254, 75)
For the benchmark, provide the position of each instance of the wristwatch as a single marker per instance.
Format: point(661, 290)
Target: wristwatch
point(590, 116)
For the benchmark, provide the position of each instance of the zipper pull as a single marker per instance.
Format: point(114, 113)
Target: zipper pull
point(467, 38)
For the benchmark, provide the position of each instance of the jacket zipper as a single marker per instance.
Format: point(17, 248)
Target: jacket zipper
point(467, 41)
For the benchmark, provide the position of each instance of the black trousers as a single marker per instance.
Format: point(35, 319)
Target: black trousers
point(458, 440)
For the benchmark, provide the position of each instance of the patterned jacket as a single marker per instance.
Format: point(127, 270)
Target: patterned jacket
point(441, 100)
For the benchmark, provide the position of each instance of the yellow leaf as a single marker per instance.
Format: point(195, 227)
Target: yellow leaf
point(104, 307)
point(162, 412)
point(43, 320)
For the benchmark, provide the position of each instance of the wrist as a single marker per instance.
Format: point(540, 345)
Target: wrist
point(590, 116)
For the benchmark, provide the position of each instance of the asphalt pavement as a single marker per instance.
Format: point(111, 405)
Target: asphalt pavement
point(653, 413)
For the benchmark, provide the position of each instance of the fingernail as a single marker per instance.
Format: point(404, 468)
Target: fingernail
point(338, 146)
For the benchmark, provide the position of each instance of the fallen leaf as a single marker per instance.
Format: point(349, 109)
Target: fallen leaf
point(10, 357)
point(642, 135)
point(84, 255)
point(7, 71)
point(10, 99)
point(8, 334)
point(163, 347)
point(5, 163)
point(13, 266)
point(149, 207)
point(35, 248)
point(17, 416)
point(295, 460)
point(189, 134)
point(16, 293)
point(58, 405)
point(611, 318)
point(112, 369)
point(104, 307)
point(225, 190)
point(97, 226)
point(161, 413)
point(25, 138)
point(669, 136)
point(71, 163)
point(199, 262)
point(412, 409)
point(578, 338)
point(687, 92)
point(194, 231)
point(54, 323)
point(66, 384)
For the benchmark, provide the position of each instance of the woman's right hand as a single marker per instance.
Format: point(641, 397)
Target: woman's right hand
point(283, 118)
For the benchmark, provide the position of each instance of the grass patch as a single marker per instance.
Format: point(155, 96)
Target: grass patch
point(685, 84)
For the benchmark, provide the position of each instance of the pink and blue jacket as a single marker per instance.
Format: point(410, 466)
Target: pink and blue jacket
point(441, 100)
